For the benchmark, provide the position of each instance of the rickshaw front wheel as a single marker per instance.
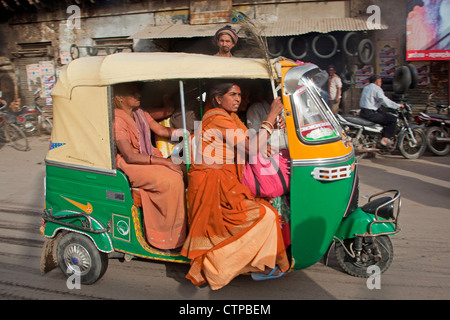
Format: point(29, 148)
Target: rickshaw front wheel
point(78, 256)
point(362, 252)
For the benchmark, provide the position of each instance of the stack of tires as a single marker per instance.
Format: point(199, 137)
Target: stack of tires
point(323, 46)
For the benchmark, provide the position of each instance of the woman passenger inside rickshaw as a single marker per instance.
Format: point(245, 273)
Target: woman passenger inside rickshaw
point(160, 181)
point(231, 232)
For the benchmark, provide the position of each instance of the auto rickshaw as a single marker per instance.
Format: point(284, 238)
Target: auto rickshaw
point(90, 209)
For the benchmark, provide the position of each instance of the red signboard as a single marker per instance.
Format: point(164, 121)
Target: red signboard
point(420, 55)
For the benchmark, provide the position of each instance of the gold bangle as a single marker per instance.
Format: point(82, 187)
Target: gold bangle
point(263, 126)
point(267, 122)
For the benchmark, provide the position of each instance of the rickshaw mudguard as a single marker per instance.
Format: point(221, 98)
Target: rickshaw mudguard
point(71, 221)
point(359, 222)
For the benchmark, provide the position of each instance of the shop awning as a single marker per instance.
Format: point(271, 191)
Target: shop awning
point(272, 29)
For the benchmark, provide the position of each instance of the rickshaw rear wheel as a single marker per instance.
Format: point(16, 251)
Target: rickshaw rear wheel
point(375, 251)
point(77, 255)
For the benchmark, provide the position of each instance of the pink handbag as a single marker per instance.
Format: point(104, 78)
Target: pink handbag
point(267, 177)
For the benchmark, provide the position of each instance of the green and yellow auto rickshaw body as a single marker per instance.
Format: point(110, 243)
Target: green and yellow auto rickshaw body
point(87, 195)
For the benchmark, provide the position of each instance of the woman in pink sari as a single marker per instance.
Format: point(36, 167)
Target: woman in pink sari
point(160, 180)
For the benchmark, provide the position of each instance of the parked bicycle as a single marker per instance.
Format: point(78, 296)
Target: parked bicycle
point(43, 122)
point(10, 133)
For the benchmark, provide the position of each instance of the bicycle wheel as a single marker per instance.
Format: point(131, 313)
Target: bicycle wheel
point(16, 137)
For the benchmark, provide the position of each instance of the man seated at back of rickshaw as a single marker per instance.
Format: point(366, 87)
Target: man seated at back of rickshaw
point(159, 179)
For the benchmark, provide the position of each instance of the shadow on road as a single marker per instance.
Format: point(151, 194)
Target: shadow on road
point(424, 180)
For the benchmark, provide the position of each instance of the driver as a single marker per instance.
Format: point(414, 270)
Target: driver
point(372, 98)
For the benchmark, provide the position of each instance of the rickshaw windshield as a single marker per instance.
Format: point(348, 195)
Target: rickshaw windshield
point(313, 120)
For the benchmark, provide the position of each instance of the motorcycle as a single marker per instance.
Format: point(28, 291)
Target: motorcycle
point(25, 118)
point(366, 135)
point(437, 130)
point(31, 119)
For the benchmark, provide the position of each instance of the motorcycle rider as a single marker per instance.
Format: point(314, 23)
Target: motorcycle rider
point(372, 98)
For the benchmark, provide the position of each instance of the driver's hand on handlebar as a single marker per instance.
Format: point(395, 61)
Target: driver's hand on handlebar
point(402, 105)
point(276, 107)
point(281, 123)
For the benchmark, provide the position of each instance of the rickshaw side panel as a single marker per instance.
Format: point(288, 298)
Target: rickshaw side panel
point(82, 130)
point(90, 193)
point(317, 209)
point(106, 198)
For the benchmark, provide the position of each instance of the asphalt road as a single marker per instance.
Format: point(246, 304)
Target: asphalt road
point(419, 271)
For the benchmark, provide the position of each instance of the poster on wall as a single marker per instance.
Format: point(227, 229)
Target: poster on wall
point(423, 72)
point(48, 80)
point(42, 75)
point(362, 76)
point(387, 58)
point(428, 30)
point(33, 76)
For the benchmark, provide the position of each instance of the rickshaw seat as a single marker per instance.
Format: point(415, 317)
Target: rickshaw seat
point(385, 210)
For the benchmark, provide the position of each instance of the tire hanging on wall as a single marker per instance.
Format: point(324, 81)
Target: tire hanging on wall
point(346, 41)
point(333, 41)
point(366, 51)
point(278, 48)
point(414, 77)
point(74, 52)
point(92, 51)
point(292, 47)
point(402, 80)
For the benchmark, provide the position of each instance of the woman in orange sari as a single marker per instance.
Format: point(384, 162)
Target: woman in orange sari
point(231, 232)
point(159, 180)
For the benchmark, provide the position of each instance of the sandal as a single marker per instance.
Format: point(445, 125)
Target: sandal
point(262, 276)
point(387, 145)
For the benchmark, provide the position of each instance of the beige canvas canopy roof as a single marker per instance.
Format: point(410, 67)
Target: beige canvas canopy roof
point(82, 133)
point(126, 67)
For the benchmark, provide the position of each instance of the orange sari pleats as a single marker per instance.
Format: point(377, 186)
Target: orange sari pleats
point(230, 232)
